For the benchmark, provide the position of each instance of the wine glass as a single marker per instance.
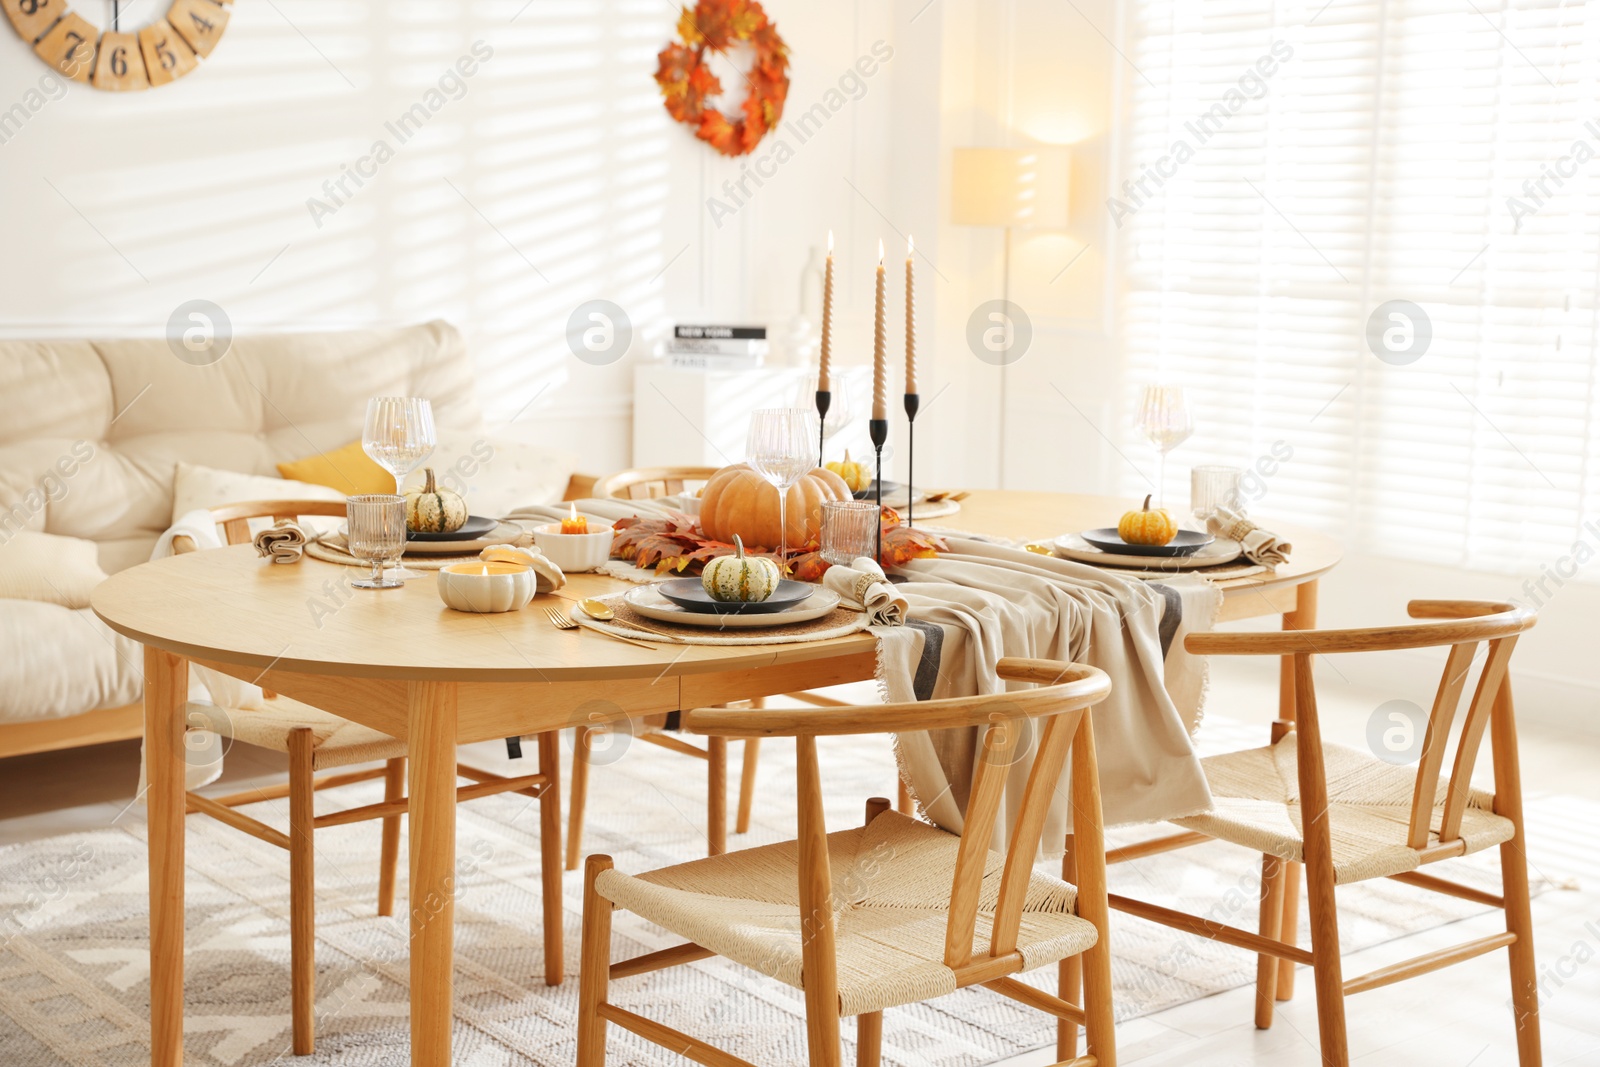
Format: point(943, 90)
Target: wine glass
point(377, 533)
point(399, 434)
point(1165, 418)
point(779, 449)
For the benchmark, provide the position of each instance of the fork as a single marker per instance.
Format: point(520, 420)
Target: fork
point(562, 621)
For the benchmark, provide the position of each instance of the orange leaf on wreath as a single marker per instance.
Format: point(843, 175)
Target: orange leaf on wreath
point(687, 83)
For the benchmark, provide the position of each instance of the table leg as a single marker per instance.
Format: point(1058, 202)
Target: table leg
point(166, 689)
point(1304, 617)
point(550, 856)
point(431, 722)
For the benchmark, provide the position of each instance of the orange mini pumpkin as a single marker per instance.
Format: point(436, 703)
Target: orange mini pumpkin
point(737, 500)
point(1147, 527)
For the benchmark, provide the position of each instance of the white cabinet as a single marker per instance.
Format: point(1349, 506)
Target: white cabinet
point(690, 418)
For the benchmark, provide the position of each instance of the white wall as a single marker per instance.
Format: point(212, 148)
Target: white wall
point(570, 183)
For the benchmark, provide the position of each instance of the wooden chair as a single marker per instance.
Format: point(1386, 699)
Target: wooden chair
point(1349, 817)
point(647, 483)
point(893, 913)
point(715, 755)
point(317, 741)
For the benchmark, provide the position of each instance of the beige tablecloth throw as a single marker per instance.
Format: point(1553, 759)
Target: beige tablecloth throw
point(994, 601)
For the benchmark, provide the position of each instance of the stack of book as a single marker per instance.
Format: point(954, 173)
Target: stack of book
point(717, 347)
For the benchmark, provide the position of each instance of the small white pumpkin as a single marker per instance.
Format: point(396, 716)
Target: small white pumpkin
point(430, 509)
point(740, 579)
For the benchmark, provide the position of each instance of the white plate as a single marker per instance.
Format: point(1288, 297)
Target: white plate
point(1220, 551)
point(649, 602)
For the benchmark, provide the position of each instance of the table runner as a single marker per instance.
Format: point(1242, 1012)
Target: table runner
point(992, 601)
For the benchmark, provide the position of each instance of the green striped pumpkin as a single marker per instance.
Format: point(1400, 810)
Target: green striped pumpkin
point(740, 579)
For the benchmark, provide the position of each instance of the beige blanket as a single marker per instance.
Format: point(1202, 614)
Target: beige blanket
point(994, 601)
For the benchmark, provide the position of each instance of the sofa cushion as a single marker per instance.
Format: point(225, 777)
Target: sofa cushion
point(497, 476)
point(95, 429)
point(349, 470)
point(61, 662)
point(196, 488)
point(49, 569)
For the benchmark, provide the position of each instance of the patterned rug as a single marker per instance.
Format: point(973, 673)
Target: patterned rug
point(74, 965)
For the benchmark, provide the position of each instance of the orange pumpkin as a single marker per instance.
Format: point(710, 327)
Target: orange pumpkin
point(737, 500)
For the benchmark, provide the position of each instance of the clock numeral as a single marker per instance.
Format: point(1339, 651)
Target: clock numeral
point(119, 62)
point(30, 7)
point(167, 57)
point(199, 22)
point(69, 47)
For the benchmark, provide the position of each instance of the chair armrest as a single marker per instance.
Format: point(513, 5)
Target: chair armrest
point(182, 544)
point(1465, 621)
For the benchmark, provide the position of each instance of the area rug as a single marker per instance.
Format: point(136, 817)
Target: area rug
point(74, 965)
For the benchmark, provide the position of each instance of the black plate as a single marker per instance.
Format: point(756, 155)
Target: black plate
point(1187, 543)
point(871, 491)
point(476, 526)
point(690, 595)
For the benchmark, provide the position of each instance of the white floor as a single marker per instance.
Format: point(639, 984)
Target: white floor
point(1454, 1018)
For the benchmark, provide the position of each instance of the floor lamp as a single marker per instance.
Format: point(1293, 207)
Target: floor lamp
point(1007, 189)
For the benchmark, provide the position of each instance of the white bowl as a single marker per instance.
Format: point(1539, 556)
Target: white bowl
point(574, 552)
point(486, 588)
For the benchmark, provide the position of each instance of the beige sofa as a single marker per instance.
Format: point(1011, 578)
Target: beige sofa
point(90, 440)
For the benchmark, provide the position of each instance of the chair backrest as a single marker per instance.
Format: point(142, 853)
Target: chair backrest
point(647, 483)
point(235, 518)
point(1465, 627)
point(1008, 722)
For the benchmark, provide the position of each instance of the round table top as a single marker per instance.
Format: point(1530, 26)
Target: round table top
point(229, 606)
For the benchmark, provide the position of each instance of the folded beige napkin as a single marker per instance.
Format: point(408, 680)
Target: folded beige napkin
point(283, 543)
point(1260, 546)
point(863, 587)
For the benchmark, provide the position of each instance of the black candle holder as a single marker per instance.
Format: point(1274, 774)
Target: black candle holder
point(913, 403)
point(824, 402)
point(879, 429)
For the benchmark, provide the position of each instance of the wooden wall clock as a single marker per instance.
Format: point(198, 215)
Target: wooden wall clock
point(161, 52)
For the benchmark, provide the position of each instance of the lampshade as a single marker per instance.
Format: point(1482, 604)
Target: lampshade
point(1011, 187)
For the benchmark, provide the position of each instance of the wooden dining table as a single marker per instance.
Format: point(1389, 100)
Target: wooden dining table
point(400, 662)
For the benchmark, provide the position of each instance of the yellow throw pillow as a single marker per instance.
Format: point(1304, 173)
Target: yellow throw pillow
point(349, 470)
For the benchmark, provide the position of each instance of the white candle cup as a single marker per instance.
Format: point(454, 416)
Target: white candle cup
point(574, 553)
point(487, 588)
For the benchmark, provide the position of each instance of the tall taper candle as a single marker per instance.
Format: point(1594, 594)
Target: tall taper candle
point(911, 325)
point(880, 385)
point(824, 379)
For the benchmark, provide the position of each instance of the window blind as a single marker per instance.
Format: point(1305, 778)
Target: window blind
point(1292, 168)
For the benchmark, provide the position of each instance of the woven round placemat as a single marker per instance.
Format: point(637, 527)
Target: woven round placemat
point(840, 622)
point(330, 548)
point(1223, 572)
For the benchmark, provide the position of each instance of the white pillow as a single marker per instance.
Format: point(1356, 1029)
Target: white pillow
point(206, 487)
point(49, 568)
point(498, 476)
